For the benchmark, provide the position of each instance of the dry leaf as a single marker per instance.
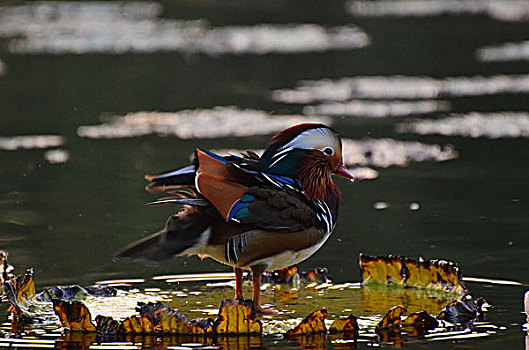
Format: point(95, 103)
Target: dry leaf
point(422, 320)
point(74, 315)
point(347, 325)
point(160, 318)
point(313, 323)
point(237, 317)
point(392, 318)
point(399, 271)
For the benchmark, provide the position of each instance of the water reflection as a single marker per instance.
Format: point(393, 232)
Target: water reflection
point(504, 52)
point(377, 109)
point(198, 123)
point(30, 142)
point(501, 10)
point(116, 27)
point(384, 153)
point(401, 87)
point(476, 124)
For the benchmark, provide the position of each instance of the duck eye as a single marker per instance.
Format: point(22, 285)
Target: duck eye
point(328, 151)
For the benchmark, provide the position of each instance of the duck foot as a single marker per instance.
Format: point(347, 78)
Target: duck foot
point(259, 309)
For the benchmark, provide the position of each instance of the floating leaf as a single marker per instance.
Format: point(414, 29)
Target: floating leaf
point(237, 317)
point(74, 315)
point(106, 325)
point(160, 318)
point(20, 291)
point(399, 271)
point(319, 274)
point(421, 320)
point(392, 318)
point(283, 276)
point(464, 311)
point(313, 323)
point(347, 325)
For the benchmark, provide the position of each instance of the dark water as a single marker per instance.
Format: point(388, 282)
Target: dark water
point(68, 220)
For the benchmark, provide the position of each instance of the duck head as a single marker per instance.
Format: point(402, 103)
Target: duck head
point(310, 153)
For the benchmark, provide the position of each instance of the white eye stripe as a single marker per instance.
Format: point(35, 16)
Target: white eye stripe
point(312, 139)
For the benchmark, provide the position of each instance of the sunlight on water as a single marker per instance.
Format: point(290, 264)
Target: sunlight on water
point(504, 52)
point(401, 87)
point(384, 153)
point(57, 156)
point(30, 142)
point(198, 123)
point(501, 10)
point(375, 109)
point(112, 27)
point(475, 124)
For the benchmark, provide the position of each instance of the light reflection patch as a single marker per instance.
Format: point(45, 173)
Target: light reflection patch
point(504, 52)
point(500, 10)
point(401, 87)
point(198, 123)
point(378, 109)
point(492, 125)
point(111, 27)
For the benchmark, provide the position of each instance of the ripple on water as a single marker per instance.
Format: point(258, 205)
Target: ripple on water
point(30, 142)
point(504, 52)
point(118, 27)
point(401, 87)
point(377, 109)
point(476, 124)
point(501, 10)
point(383, 153)
point(198, 123)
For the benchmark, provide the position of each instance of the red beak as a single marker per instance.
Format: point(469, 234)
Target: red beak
point(342, 171)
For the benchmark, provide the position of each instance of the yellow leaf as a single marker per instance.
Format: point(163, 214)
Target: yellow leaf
point(237, 317)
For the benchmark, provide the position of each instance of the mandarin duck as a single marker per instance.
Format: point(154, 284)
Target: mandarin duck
point(252, 213)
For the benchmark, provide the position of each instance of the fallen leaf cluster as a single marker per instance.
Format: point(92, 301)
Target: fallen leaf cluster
point(410, 273)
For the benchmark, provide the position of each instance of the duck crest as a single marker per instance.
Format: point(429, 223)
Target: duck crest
point(281, 161)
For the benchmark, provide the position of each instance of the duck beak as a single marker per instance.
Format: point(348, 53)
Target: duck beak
point(342, 171)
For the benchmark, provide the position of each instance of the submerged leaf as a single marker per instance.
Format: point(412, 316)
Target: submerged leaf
point(399, 271)
point(237, 317)
point(313, 323)
point(74, 316)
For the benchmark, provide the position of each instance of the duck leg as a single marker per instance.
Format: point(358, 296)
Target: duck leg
point(238, 283)
point(256, 279)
